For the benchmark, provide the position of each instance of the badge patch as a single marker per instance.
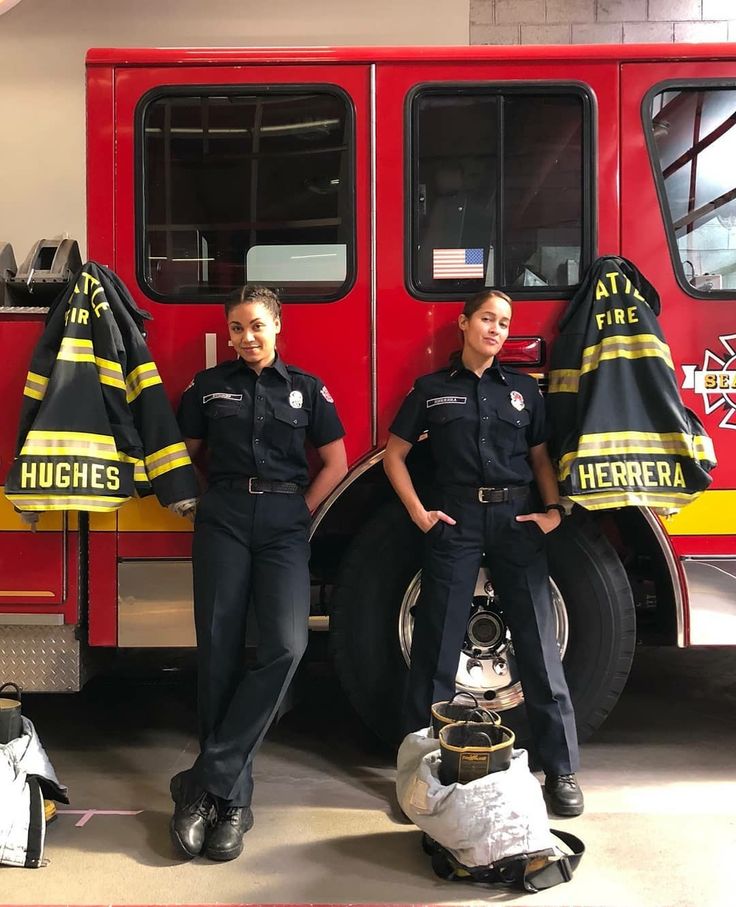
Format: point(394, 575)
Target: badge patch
point(517, 400)
point(326, 394)
point(208, 397)
point(441, 401)
point(296, 399)
point(191, 384)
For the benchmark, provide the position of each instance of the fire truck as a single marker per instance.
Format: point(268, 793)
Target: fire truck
point(346, 178)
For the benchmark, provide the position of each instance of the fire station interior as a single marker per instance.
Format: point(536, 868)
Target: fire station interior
point(192, 186)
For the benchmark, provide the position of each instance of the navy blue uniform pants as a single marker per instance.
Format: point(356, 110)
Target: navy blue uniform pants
point(248, 549)
point(516, 558)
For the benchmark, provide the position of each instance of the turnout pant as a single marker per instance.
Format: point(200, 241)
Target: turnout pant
point(517, 562)
point(248, 549)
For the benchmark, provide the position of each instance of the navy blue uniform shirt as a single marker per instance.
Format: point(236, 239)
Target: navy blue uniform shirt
point(256, 425)
point(480, 429)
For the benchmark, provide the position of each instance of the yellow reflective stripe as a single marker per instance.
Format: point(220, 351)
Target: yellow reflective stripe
point(110, 372)
point(624, 347)
point(70, 502)
point(633, 499)
point(38, 382)
point(620, 346)
point(75, 349)
point(167, 467)
point(564, 381)
point(69, 444)
point(29, 392)
point(70, 436)
point(166, 459)
point(110, 380)
point(637, 443)
point(79, 450)
point(144, 376)
point(139, 472)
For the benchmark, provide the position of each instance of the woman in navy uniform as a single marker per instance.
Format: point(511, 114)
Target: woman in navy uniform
point(487, 436)
point(253, 414)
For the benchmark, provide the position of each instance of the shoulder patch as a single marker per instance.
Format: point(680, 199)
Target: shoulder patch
point(326, 394)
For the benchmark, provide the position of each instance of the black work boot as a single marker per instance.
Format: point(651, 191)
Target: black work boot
point(225, 841)
point(564, 797)
point(194, 813)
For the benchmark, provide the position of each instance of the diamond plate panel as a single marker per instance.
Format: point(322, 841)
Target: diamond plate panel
point(41, 659)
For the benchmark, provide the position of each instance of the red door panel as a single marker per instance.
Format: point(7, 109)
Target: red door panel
point(700, 331)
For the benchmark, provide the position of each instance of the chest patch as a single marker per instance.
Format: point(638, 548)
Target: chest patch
point(296, 399)
point(517, 400)
point(221, 396)
point(441, 401)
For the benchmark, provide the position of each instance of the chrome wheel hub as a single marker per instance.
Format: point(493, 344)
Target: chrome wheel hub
point(487, 666)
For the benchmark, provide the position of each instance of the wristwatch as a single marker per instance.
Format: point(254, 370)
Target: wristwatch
point(558, 507)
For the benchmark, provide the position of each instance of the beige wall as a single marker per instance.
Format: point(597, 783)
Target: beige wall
point(601, 21)
point(42, 48)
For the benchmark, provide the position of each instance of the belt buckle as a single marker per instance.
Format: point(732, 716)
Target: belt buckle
point(251, 490)
point(482, 495)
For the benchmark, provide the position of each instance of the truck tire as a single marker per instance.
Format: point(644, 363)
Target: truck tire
point(379, 579)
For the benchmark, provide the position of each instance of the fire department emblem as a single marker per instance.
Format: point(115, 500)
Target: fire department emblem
point(716, 380)
point(296, 399)
point(517, 400)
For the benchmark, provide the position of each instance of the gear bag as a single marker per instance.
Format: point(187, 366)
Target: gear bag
point(494, 829)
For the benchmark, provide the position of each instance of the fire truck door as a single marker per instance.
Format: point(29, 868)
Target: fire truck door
point(252, 174)
point(678, 224)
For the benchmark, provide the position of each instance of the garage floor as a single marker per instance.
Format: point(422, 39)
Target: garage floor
point(659, 780)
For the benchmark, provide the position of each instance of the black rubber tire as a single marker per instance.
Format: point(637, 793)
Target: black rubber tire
point(385, 556)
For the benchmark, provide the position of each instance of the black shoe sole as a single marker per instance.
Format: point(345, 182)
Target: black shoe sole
point(222, 856)
point(565, 812)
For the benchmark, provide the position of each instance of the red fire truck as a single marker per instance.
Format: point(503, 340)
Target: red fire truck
point(337, 175)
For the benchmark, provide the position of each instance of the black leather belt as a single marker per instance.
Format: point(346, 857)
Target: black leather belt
point(489, 495)
point(254, 485)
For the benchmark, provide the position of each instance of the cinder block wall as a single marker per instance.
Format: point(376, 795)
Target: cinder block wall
point(601, 21)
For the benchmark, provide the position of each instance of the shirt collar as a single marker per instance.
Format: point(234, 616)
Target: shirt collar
point(495, 370)
point(277, 365)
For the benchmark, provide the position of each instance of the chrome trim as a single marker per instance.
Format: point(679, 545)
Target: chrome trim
point(362, 467)
point(711, 582)
point(319, 622)
point(210, 350)
point(373, 260)
point(31, 620)
point(65, 558)
point(155, 603)
point(669, 556)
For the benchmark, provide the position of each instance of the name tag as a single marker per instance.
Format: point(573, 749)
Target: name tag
point(208, 397)
point(441, 401)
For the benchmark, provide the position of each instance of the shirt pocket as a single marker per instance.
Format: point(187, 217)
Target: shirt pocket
point(223, 409)
point(512, 426)
point(288, 427)
point(437, 416)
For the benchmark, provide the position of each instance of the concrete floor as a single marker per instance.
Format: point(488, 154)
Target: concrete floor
point(659, 780)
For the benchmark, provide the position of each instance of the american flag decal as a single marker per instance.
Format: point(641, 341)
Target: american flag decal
point(456, 263)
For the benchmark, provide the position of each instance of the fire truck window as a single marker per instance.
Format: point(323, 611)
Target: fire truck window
point(241, 188)
point(693, 137)
point(498, 195)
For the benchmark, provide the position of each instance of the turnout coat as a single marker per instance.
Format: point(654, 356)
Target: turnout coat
point(619, 432)
point(96, 425)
